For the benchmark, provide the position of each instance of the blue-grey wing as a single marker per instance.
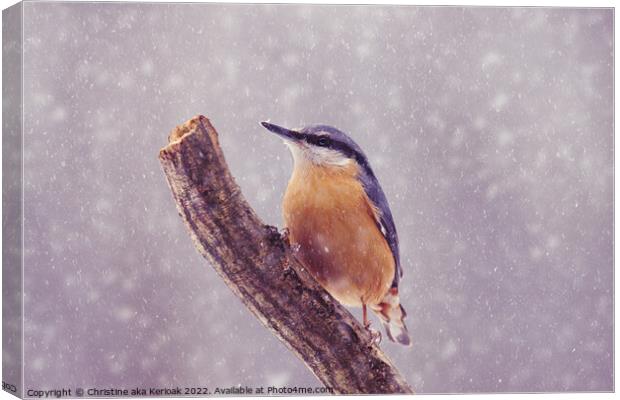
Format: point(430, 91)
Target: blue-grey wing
point(386, 222)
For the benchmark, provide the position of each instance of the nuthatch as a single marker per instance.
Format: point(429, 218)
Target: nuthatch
point(337, 215)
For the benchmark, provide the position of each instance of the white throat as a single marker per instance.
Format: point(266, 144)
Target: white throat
point(316, 155)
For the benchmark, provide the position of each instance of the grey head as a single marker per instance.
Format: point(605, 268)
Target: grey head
point(320, 144)
point(328, 146)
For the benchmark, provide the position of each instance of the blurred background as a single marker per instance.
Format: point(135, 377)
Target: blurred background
point(490, 130)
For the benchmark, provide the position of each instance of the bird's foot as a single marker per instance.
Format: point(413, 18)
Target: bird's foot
point(285, 236)
point(375, 336)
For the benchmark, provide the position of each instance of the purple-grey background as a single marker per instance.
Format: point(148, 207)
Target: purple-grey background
point(490, 129)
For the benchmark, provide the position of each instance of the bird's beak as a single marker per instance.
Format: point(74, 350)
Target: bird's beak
point(287, 134)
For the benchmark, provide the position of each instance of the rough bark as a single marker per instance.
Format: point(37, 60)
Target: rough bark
point(261, 269)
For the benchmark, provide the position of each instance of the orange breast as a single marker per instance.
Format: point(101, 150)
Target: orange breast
point(329, 215)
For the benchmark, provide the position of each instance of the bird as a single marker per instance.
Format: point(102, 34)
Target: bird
point(338, 218)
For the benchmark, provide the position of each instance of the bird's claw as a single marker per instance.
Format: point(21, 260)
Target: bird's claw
point(285, 236)
point(375, 336)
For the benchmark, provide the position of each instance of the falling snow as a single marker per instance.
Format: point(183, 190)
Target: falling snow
point(490, 130)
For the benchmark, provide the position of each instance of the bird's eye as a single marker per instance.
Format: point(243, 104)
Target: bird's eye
point(323, 142)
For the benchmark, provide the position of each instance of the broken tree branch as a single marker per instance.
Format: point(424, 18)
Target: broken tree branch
point(262, 271)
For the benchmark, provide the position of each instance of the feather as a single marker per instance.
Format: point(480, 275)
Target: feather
point(383, 215)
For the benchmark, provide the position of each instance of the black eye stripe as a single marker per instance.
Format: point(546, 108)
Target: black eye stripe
point(337, 141)
point(323, 141)
point(348, 151)
point(334, 144)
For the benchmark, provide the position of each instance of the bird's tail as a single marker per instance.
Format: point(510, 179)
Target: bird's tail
point(392, 316)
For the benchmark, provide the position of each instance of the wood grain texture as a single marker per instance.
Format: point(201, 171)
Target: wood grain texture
point(261, 269)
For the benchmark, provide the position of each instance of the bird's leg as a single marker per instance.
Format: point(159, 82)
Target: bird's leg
point(375, 336)
point(285, 236)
